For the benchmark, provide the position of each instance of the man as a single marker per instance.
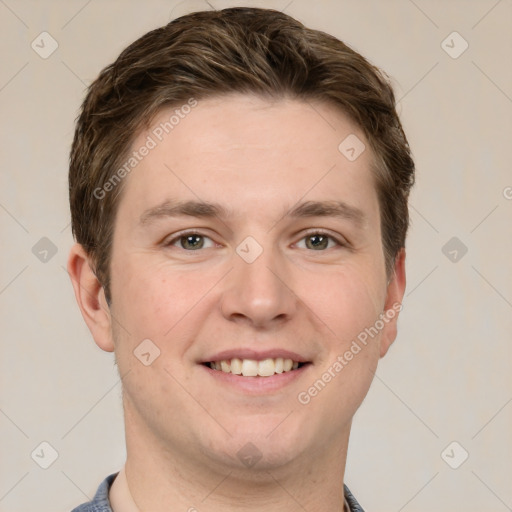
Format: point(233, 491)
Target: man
point(238, 189)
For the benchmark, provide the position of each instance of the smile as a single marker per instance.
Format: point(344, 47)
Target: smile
point(253, 368)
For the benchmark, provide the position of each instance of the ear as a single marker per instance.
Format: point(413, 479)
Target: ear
point(393, 305)
point(90, 296)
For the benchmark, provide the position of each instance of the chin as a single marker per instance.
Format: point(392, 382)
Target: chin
point(259, 443)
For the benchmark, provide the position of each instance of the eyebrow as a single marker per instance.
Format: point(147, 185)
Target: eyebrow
point(203, 209)
point(337, 209)
point(170, 208)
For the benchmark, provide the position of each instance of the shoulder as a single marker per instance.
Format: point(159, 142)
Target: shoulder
point(352, 502)
point(100, 502)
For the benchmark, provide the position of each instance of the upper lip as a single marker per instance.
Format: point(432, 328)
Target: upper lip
point(258, 355)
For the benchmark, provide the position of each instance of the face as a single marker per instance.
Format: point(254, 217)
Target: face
point(246, 241)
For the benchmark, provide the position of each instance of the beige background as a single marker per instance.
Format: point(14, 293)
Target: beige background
point(447, 378)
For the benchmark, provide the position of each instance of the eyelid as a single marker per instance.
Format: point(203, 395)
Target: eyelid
point(340, 240)
point(175, 237)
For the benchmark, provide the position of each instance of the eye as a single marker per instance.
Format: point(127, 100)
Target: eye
point(319, 241)
point(190, 241)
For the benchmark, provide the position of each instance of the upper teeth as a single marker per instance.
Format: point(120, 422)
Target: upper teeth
point(252, 368)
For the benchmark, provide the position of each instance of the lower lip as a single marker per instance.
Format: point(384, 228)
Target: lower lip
point(257, 385)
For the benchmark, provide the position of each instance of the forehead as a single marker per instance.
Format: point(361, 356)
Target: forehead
point(243, 151)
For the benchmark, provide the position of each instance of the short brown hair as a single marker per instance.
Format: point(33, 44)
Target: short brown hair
point(234, 50)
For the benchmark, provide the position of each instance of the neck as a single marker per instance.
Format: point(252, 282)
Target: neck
point(159, 478)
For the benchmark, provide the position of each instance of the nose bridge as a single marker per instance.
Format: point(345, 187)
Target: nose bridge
point(257, 289)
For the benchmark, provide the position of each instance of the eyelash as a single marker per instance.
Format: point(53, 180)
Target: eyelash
point(339, 242)
point(311, 232)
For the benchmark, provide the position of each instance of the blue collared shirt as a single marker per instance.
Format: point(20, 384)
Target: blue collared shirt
point(101, 503)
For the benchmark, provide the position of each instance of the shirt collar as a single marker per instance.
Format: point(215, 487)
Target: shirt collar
point(121, 499)
point(110, 498)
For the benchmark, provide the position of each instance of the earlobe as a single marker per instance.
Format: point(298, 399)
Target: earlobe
point(393, 305)
point(90, 297)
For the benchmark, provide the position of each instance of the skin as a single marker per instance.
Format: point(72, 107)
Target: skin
point(258, 158)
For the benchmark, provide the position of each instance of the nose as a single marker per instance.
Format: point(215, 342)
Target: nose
point(259, 293)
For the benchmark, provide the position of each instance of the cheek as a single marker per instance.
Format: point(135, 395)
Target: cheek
point(160, 303)
point(345, 371)
point(346, 301)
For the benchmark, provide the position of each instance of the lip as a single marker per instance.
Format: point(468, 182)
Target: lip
point(247, 353)
point(256, 385)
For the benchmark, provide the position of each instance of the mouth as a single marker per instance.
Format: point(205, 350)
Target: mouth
point(256, 368)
